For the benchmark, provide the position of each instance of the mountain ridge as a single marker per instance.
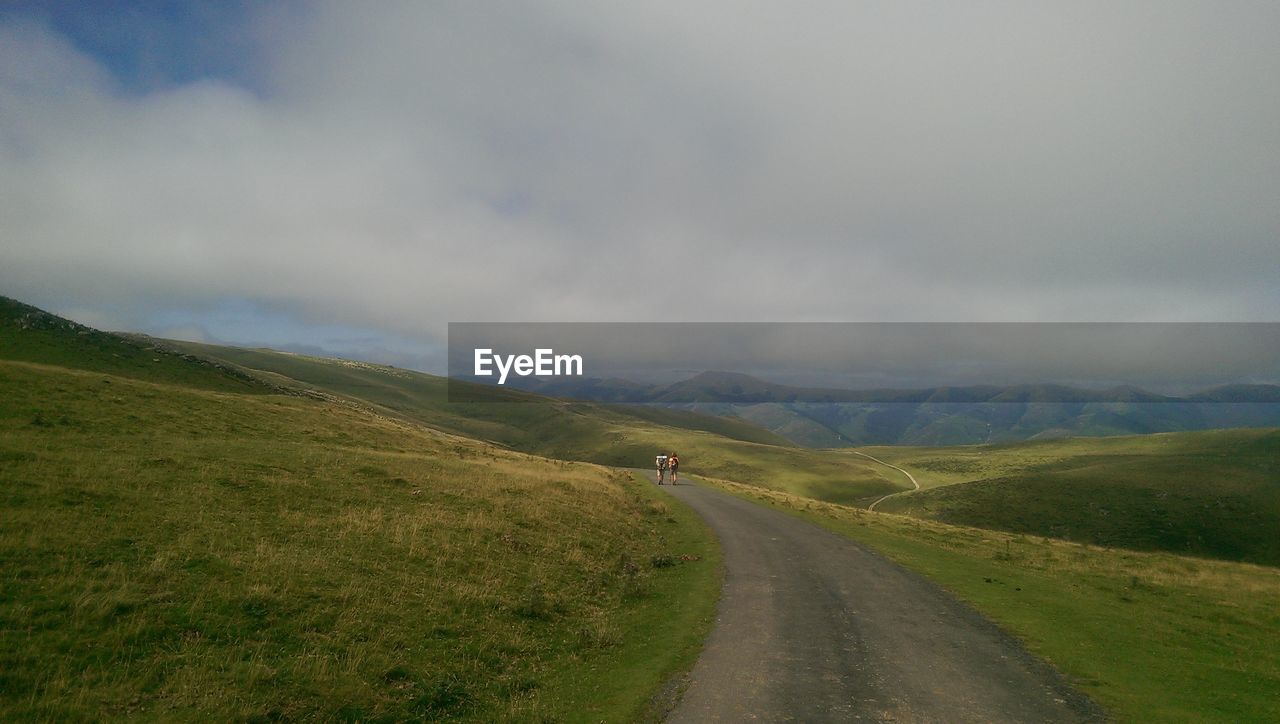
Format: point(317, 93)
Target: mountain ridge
point(942, 415)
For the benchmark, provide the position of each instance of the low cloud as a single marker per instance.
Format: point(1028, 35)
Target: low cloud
point(399, 165)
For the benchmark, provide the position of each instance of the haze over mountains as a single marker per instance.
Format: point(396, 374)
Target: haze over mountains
point(821, 417)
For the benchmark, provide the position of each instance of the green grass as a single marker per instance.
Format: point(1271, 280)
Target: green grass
point(172, 552)
point(537, 424)
point(824, 474)
point(938, 466)
point(789, 423)
point(730, 427)
point(186, 549)
point(613, 435)
point(1213, 493)
point(1151, 636)
point(606, 434)
point(674, 619)
point(31, 335)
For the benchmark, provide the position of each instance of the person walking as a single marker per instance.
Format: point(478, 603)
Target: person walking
point(662, 468)
point(673, 462)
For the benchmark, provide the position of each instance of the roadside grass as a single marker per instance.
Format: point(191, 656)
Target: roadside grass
point(1151, 636)
point(173, 552)
point(674, 618)
point(1213, 493)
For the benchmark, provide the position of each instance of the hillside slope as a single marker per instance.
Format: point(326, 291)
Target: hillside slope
point(623, 436)
point(1213, 493)
point(618, 435)
point(174, 552)
point(182, 540)
point(424, 398)
point(32, 335)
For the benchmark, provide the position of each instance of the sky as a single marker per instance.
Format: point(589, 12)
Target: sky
point(350, 177)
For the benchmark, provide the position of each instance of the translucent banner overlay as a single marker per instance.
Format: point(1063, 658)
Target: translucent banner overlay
point(750, 363)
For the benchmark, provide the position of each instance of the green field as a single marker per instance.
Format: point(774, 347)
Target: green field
point(174, 551)
point(1214, 494)
point(1151, 636)
point(28, 334)
point(623, 436)
point(207, 532)
point(535, 424)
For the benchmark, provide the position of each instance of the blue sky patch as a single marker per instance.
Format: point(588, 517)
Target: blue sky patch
point(150, 46)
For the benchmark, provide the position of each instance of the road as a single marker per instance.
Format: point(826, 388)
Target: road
point(814, 627)
point(912, 478)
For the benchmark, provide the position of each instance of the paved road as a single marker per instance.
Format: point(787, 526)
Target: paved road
point(813, 627)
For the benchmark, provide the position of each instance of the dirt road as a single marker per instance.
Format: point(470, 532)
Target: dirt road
point(914, 485)
point(813, 627)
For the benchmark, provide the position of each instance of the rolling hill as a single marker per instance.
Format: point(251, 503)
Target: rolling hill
point(29, 334)
point(242, 534)
point(608, 434)
point(183, 541)
point(532, 423)
point(1213, 493)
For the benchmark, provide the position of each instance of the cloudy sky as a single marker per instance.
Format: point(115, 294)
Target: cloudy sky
point(352, 176)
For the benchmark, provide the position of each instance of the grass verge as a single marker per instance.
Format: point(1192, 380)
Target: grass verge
point(663, 633)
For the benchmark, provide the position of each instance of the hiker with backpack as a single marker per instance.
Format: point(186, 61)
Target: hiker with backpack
point(673, 462)
point(662, 468)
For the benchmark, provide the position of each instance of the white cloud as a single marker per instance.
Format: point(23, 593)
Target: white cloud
point(411, 164)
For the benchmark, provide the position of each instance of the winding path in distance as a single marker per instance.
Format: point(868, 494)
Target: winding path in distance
point(814, 627)
point(916, 486)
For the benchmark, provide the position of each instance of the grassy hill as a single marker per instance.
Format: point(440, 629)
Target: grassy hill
point(32, 335)
point(619, 435)
point(175, 550)
point(330, 539)
point(1213, 493)
point(533, 423)
point(200, 545)
point(782, 420)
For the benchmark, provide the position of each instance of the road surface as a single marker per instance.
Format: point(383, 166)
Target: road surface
point(814, 627)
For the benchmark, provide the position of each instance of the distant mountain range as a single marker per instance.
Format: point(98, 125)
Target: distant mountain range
point(820, 417)
point(814, 417)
